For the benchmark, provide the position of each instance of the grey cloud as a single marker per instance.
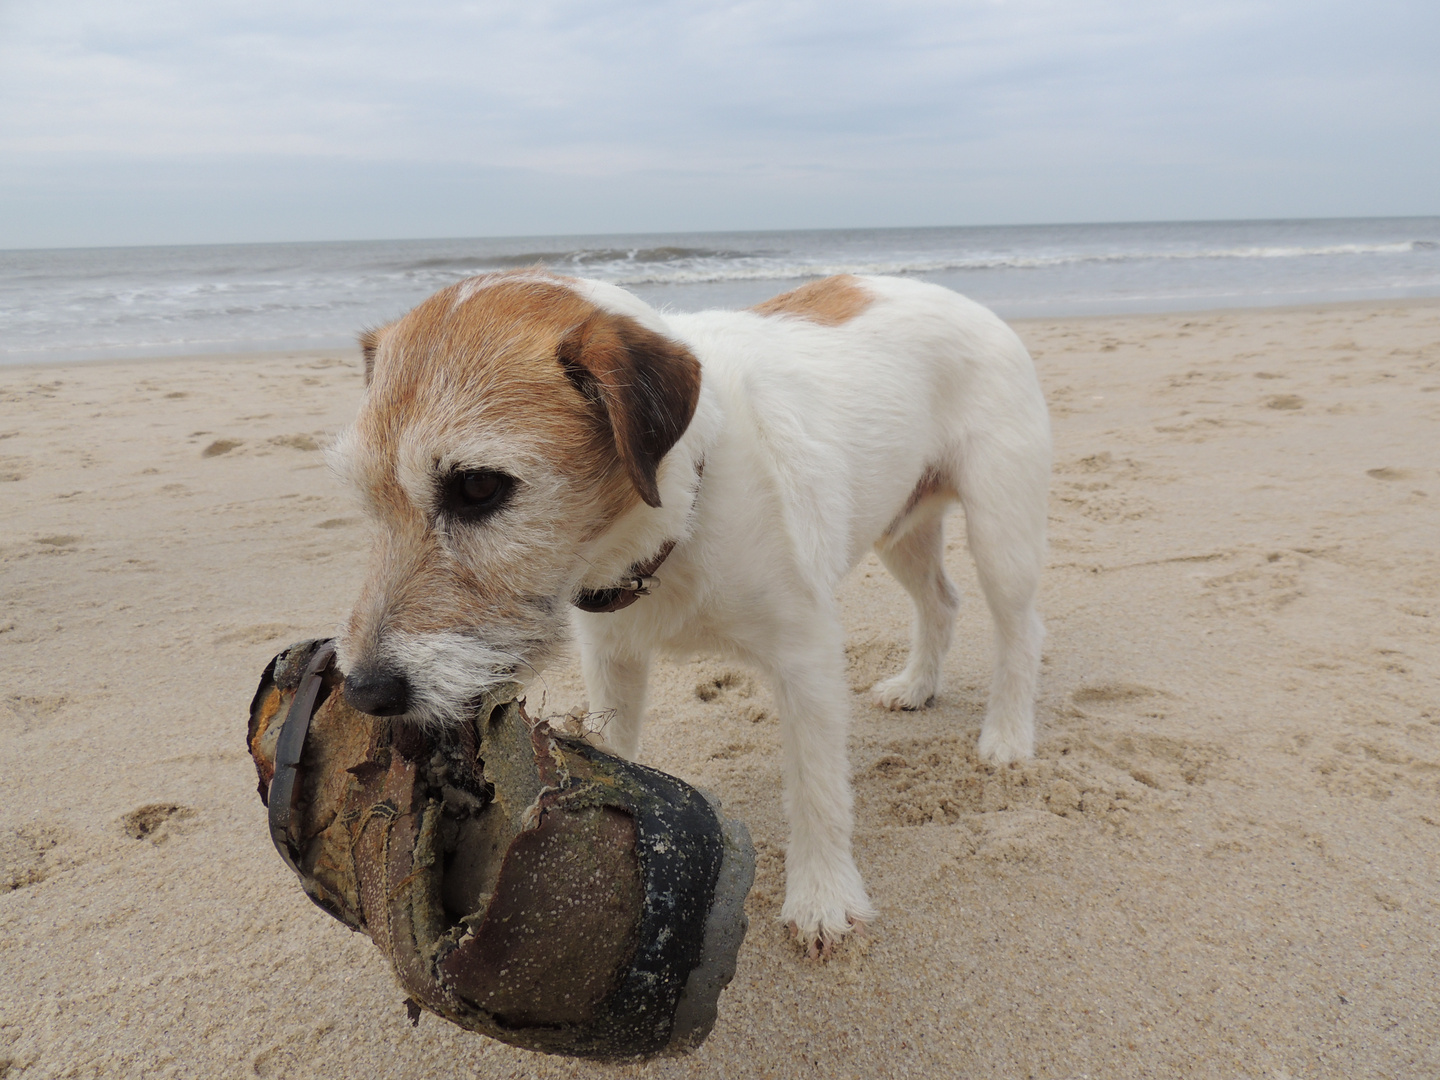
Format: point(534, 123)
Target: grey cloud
point(1019, 110)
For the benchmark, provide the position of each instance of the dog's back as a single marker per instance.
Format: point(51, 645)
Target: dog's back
point(852, 417)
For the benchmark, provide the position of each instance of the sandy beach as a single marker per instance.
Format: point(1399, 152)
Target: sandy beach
point(1223, 861)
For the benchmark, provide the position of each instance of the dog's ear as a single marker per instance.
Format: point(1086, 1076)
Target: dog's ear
point(647, 385)
point(369, 345)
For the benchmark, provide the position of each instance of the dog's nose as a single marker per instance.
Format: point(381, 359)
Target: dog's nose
point(377, 692)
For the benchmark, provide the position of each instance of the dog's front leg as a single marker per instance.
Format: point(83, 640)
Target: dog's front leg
point(824, 894)
point(617, 685)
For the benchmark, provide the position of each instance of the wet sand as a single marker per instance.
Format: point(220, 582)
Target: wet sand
point(1222, 862)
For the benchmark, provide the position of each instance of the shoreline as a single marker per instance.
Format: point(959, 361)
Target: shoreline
point(239, 356)
point(245, 353)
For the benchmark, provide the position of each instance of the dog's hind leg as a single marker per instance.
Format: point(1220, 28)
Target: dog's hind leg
point(914, 552)
point(1004, 487)
point(617, 688)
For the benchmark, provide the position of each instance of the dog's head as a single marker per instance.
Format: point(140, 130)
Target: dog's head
point(509, 421)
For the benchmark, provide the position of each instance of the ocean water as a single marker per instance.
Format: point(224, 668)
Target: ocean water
point(73, 304)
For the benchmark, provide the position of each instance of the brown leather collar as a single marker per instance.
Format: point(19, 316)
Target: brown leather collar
point(639, 579)
point(638, 582)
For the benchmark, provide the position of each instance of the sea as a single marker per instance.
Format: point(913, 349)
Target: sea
point(100, 303)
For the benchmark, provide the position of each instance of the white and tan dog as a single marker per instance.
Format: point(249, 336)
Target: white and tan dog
point(530, 442)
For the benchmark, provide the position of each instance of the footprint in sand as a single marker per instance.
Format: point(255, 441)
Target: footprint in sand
point(1164, 763)
point(1285, 402)
point(1111, 694)
point(155, 822)
point(736, 691)
point(295, 442)
point(940, 781)
point(292, 1054)
point(258, 634)
point(221, 446)
point(1157, 761)
point(23, 853)
point(1379, 767)
point(1273, 583)
point(1103, 489)
point(1092, 463)
point(21, 714)
point(725, 683)
point(731, 751)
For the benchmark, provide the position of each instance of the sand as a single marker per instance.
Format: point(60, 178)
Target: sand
point(1222, 862)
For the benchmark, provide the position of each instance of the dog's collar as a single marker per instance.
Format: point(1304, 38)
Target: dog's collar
point(639, 579)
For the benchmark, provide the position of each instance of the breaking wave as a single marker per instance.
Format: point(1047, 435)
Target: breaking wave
point(694, 266)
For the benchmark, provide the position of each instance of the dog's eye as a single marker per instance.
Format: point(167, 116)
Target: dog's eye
point(476, 494)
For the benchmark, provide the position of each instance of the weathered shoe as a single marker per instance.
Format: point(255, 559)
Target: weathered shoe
point(521, 883)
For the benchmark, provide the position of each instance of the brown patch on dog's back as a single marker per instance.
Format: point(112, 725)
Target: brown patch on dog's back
point(830, 301)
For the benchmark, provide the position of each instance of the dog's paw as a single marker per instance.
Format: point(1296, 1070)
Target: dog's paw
point(821, 946)
point(903, 691)
point(820, 919)
point(1002, 744)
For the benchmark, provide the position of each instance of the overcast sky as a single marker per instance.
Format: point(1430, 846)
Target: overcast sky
point(176, 121)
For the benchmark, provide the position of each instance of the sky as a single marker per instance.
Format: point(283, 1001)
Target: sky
point(162, 121)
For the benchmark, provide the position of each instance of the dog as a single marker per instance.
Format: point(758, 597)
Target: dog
point(541, 455)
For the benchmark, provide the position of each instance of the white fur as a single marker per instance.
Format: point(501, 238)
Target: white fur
point(812, 439)
point(458, 667)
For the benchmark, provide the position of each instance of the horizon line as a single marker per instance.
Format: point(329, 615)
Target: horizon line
point(728, 232)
